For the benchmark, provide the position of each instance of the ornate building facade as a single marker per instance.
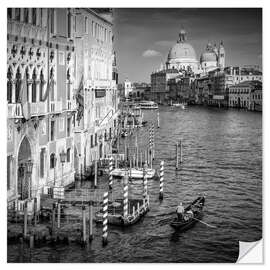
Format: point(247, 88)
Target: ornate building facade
point(61, 98)
point(96, 86)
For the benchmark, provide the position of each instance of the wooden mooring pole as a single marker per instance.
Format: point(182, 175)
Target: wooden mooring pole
point(25, 220)
point(158, 119)
point(144, 183)
point(105, 219)
point(96, 173)
point(125, 202)
point(53, 222)
point(83, 225)
point(161, 179)
point(177, 157)
point(110, 172)
point(58, 214)
point(90, 221)
point(181, 160)
point(35, 212)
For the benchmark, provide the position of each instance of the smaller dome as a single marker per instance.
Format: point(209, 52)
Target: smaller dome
point(208, 57)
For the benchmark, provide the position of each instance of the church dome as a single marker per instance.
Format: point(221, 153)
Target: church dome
point(182, 49)
point(209, 55)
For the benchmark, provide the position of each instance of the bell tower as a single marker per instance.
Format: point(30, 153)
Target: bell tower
point(221, 55)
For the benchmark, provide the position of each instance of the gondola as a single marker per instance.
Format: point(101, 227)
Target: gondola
point(197, 208)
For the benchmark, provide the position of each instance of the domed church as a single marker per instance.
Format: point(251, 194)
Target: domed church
point(213, 57)
point(182, 56)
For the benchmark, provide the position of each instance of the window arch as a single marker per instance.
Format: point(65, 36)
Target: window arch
point(18, 85)
point(52, 84)
point(52, 161)
point(68, 85)
point(41, 86)
point(9, 85)
point(34, 87)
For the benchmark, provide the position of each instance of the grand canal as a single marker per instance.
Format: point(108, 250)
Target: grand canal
point(222, 157)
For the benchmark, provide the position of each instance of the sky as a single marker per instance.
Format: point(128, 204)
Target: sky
point(144, 36)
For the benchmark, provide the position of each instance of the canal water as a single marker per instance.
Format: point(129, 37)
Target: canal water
point(222, 157)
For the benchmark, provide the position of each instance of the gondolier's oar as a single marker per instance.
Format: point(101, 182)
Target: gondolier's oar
point(211, 226)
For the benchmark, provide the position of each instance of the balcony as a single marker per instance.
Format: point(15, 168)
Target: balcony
point(15, 110)
point(55, 106)
point(71, 105)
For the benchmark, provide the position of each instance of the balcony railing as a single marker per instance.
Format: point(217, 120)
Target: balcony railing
point(55, 106)
point(71, 105)
point(15, 110)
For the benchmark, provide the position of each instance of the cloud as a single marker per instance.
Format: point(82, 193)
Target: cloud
point(151, 53)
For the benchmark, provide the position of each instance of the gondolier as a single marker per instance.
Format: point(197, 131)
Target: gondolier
point(180, 211)
point(191, 214)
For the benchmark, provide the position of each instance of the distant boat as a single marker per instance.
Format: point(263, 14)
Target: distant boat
point(148, 105)
point(136, 173)
point(181, 105)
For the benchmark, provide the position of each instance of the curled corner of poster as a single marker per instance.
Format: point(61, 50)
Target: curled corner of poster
point(250, 252)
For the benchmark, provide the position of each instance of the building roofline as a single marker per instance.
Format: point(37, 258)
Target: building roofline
point(97, 15)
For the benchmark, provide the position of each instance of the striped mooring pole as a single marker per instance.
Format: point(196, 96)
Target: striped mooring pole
point(177, 156)
point(153, 141)
point(105, 219)
point(110, 173)
point(96, 172)
point(180, 146)
point(161, 175)
point(125, 202)
point(144, 183)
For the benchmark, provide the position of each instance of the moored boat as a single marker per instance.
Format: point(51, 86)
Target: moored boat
point(196, 207)
point(148, 105)
point(136, 173)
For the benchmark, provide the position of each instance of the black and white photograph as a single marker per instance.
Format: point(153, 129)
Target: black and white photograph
point(133, 134)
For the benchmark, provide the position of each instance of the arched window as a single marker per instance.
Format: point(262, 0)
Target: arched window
point(52, 84)
point(18, 85)
point(41, 86)
point(34, 87)
point(9, 85)
point(52, 161)
point(68, 155)
point(68, 85)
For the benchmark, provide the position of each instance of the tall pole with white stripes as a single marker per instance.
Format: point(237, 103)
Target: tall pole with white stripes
point(110, 173)
point(105, 219)
point(125, 202)
point(144, 183)
point(161, 175)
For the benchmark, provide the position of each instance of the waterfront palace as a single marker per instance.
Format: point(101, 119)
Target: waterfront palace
point(61, 96)
point(185, 79)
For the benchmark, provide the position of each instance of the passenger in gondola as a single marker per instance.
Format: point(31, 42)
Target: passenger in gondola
point(180, 212)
